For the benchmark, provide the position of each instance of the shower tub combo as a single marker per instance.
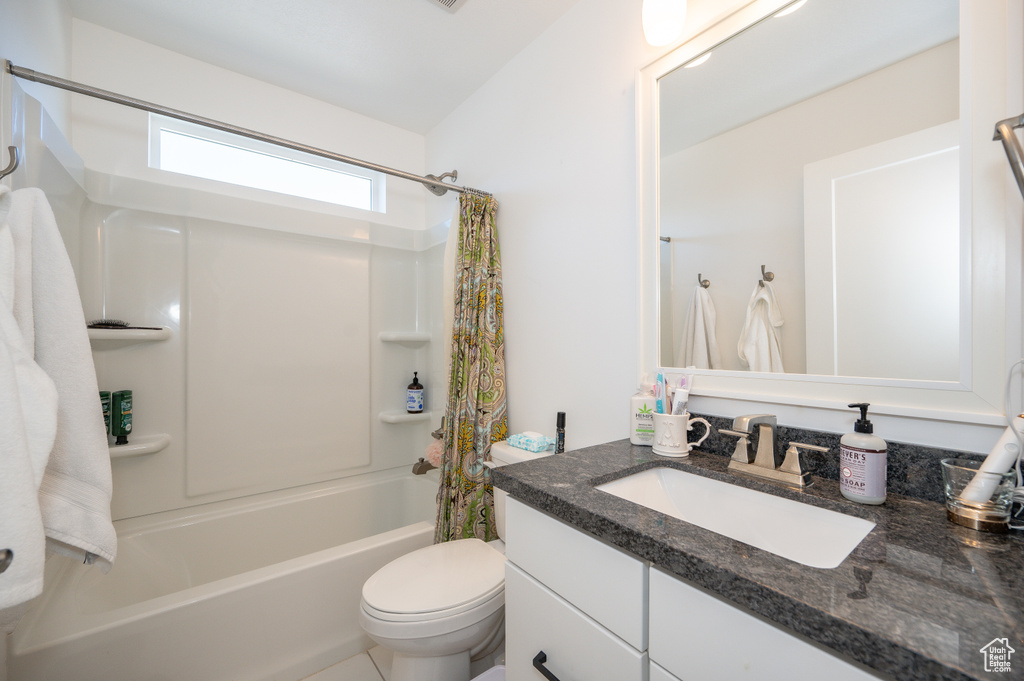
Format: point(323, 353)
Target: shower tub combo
point(256, 588)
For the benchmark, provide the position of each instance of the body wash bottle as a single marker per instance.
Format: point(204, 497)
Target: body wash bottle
point(862, 462)
point(414, 395)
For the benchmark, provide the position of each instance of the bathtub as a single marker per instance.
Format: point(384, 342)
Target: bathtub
point(264, 587)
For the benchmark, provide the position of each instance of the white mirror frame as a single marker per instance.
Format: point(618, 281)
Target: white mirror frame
point(968, 415)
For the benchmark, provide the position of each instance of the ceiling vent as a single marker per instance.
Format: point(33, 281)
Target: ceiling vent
point(450, 5)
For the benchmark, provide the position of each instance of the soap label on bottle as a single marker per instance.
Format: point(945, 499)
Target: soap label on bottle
point(643, 422)
point(414, 401)
point(862, 471)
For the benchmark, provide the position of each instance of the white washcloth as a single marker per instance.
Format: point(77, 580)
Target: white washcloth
point(28, 423)
point(760, 345)
point(700, 345)
point(74, 497)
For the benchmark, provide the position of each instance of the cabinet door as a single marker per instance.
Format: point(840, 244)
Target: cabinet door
point(606, 583)
point(577, 647)
point(695, 635)
point(658, 673)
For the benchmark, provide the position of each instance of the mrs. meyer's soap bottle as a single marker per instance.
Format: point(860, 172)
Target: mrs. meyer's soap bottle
point(862, 462)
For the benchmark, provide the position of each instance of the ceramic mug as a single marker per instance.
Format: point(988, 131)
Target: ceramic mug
point(670, 431)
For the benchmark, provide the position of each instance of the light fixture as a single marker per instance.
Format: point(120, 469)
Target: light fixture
point(663, 20)
point(792, 8)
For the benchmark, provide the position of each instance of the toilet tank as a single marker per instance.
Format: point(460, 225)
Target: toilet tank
point(502, 454)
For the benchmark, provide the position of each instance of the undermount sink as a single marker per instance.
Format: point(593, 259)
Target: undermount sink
point(806, 534)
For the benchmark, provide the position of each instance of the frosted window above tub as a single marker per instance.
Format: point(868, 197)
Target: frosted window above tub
point(190, 149)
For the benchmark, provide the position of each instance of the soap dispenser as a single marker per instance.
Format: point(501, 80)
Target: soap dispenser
point(862, 462)
point(414, 395)
point(642, 407)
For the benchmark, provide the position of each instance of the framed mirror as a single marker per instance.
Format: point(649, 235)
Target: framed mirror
point(846, 147)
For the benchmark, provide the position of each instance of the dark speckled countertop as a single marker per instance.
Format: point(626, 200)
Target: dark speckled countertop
point(917, 599)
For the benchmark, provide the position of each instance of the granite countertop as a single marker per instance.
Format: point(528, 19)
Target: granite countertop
point(917, 599)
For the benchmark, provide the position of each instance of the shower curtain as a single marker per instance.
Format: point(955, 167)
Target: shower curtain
point(475, 415)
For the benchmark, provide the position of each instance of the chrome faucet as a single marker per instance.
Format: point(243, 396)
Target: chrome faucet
point(742, 427)
point(764, 463)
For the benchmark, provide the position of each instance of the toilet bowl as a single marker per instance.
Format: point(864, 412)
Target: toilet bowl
point(442, 607)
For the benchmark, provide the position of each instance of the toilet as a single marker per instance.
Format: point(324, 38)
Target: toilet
point(442, 607)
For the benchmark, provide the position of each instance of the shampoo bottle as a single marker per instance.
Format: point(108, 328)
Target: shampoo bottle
point(121, 416)
point(641, 409)
point(105, 403)
point(862, 462)
point(414, 396)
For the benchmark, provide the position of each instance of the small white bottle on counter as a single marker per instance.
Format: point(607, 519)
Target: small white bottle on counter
point(862, 462)
point(641, 419)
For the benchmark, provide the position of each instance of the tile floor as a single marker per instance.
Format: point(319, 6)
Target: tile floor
point(373, 665)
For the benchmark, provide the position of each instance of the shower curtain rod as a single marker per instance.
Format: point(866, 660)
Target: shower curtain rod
point(433, 183)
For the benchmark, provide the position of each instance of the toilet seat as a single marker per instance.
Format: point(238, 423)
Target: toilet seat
point(437, 582)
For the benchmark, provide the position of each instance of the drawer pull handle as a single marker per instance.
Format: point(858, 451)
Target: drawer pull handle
point(538, 663)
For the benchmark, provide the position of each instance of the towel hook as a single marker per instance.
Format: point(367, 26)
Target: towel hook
point(703, 282)
point(765, 276)
point(13, 165)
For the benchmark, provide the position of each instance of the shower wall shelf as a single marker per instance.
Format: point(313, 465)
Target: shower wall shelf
point(108, 339)
point(404, 337)
point(140, 446)
point(403, 417)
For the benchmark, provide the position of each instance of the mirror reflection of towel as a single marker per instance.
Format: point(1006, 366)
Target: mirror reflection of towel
point(760, 345)
point(700, 346)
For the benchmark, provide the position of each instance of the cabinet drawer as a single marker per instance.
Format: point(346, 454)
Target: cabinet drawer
point(602, 581)
point(694, 635)
point(577, 647)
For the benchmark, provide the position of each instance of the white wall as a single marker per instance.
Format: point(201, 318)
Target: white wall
point(36, 34)
point(112, 139)
point(553, 136)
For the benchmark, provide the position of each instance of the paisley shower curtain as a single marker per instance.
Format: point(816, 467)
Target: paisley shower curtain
point(475, 415)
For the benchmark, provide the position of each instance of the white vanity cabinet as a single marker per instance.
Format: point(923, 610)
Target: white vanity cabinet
point(600, 614)
point(578, 600)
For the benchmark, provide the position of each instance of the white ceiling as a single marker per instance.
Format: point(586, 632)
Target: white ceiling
point(404, 62)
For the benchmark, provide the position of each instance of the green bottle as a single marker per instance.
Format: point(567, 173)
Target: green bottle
point(105, 403)
point(121, 419)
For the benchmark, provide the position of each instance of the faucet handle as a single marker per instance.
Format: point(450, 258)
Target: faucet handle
point(742, 452)
point(791, 464)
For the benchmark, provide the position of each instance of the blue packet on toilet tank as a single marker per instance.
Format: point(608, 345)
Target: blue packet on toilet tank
point(531, 442)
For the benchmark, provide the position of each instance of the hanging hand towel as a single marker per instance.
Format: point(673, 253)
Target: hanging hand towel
point(28, 422)
point(74, 497)
point(760, 345)
point(700, 345)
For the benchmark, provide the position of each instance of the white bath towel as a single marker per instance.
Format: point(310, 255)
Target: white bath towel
point(760, 345)
point(28, 422)
point(74, 497)
point(700, 345)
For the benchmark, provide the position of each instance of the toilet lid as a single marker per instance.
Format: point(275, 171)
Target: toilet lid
point(444, 576)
